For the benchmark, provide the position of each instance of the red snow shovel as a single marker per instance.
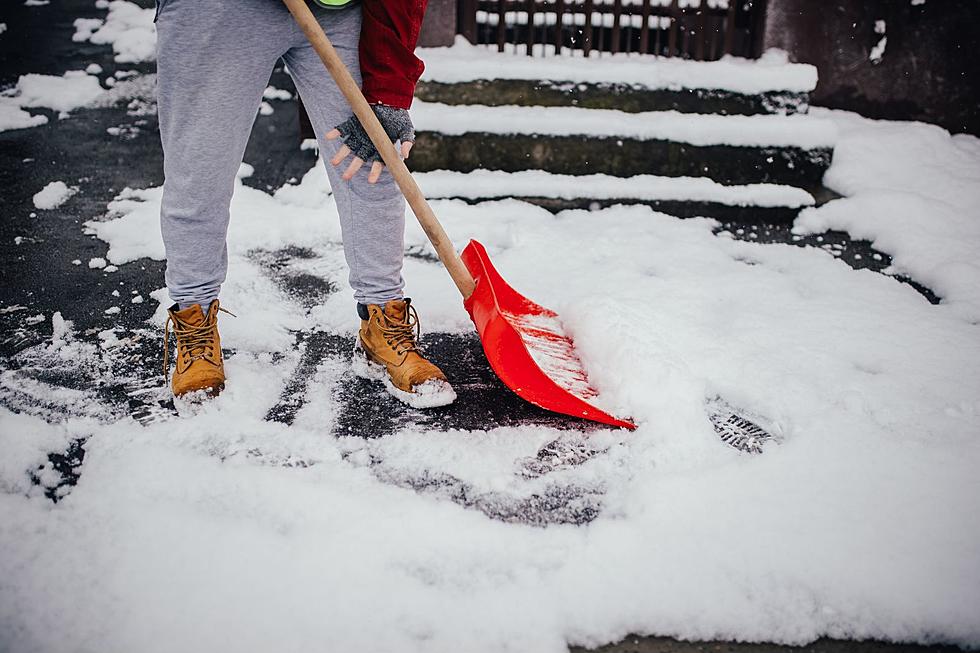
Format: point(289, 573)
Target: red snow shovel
point(523, 341)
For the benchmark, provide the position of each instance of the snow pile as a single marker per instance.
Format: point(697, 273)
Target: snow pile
point(128, 28)
point(464, 62)
point(697, 129)
point(72, 90)
point(53, 195)
point(913, 190)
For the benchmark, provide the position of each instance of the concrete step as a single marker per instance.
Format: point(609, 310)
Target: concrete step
point(680, 196)
point(468, 74)
point(733, 150)
point(611, 95)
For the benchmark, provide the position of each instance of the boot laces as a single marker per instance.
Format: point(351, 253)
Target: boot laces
point(194, 341)
point(402, 336)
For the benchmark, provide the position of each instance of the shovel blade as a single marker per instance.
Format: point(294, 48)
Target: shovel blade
point(526, 347)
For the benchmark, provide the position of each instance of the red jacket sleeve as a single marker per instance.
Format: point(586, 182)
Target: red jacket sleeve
point(389, 67)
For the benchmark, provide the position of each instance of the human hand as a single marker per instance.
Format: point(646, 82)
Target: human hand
point(397, 124)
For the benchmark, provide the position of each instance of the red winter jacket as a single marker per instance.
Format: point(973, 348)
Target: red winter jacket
point(389, 67)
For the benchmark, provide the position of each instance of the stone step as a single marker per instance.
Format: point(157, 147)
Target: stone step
point(610, 95)
point(680, 196)
point(468, 74)
point(791, 150)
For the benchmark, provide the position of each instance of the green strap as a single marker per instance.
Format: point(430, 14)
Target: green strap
point(333, 4)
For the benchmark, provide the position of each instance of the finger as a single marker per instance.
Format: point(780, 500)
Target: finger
point(376, 169)
point(340, 155)
point(332, 134)
point(352, 169)
point(406, 148)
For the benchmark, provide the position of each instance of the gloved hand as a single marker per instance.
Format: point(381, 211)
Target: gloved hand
point(397, 124)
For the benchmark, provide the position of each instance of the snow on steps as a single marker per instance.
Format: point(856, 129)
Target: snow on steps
point(680, 196)
point(794, 150)
point(468, 74)
point(611, 95)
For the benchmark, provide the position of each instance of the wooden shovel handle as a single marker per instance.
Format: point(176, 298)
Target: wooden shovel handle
point(437, 235)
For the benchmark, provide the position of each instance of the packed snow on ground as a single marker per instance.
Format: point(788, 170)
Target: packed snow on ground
point(914, 191)
point(464, 62)
point(697, 129)
point(62, 93)
point(127, 27)
point(53, 195)
point(224, 531)
point(13, 117)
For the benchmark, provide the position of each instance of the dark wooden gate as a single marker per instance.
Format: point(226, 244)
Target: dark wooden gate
point(691, 29)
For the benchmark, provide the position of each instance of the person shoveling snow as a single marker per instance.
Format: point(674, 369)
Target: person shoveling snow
point(214, 62)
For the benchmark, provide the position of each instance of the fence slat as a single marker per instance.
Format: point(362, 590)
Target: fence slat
point(617, 14)
point(757, 29)
point(501, 24)
point(675, 16)
point(466, 20)
point(529, 35)
point(645, 28)
point(730, 26)
point(587, 31)
point(701, 39)
point(559, 28)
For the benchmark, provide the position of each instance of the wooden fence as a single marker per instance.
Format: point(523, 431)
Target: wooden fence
point(692, 29)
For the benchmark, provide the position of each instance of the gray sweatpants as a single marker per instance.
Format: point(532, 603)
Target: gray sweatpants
point(214, 59)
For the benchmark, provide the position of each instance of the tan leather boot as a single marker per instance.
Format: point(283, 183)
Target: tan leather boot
point(387, 351)
point(199, 365)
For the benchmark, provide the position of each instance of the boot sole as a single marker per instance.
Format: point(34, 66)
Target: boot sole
point(200, 394)
point(431, 394)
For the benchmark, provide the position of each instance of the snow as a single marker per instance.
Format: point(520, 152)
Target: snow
point(913, 190)
point(70, 91)
point(697, 129)
point(128, 28)
point(878, 51)
point(464, 62)
point(224, 531)
point(553, 352)
point(181, 525)
point(484, 184)
point(273, 93)
point(53, 195)
point(429, 394)
point(874, 389)
point(12, 117)
point(85, 28)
